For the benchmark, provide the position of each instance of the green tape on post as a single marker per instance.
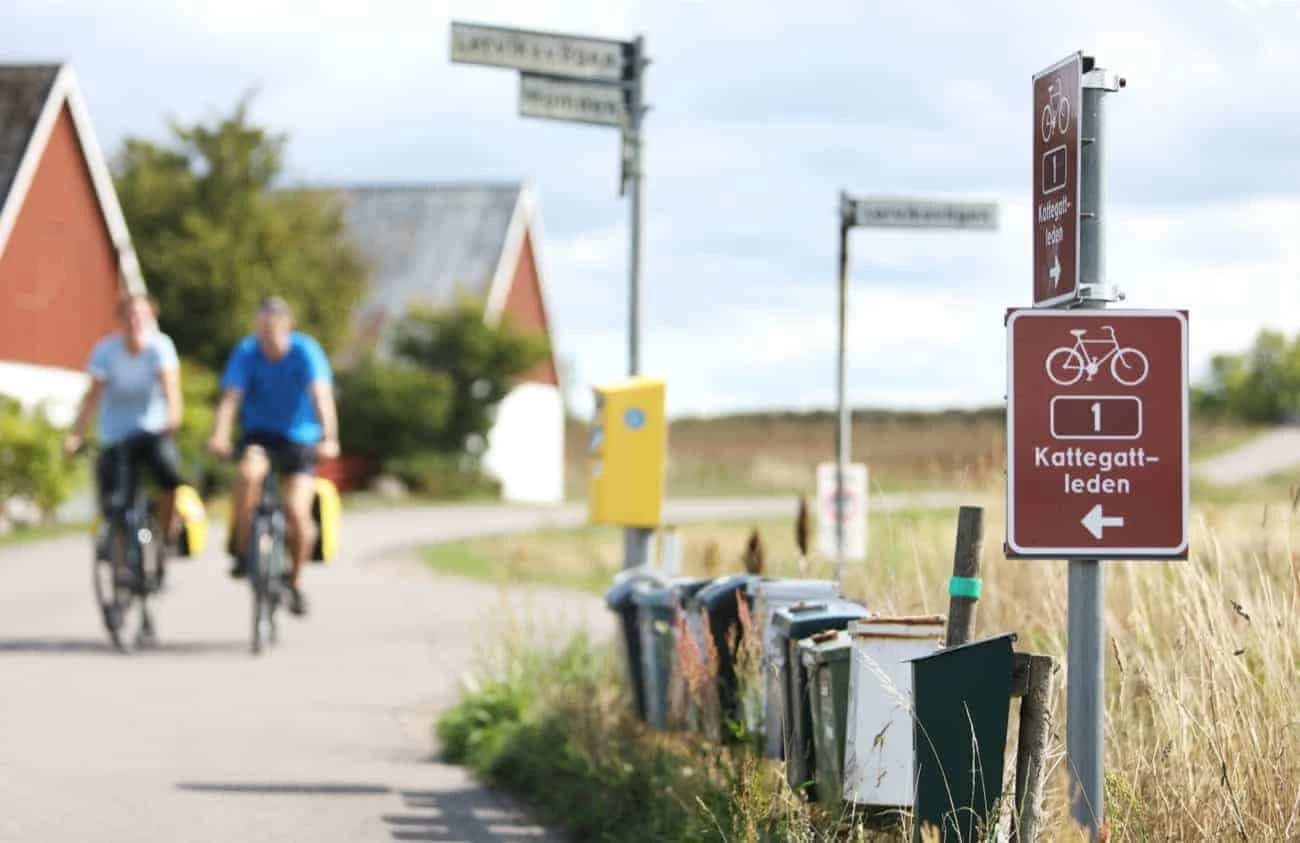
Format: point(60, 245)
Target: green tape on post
point(968, 587)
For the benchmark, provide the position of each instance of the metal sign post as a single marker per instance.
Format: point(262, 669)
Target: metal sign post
point(585, 80)
point(1069, 270)
point(882, 212)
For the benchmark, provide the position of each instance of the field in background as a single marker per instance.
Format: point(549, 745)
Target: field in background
point(776, 453)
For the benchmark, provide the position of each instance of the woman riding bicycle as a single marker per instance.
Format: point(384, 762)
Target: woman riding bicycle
point(136, 386)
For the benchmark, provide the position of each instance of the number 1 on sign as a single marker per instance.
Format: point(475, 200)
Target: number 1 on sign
point(1096, 416)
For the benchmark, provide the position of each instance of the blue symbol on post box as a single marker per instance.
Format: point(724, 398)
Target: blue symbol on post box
point(634, 418)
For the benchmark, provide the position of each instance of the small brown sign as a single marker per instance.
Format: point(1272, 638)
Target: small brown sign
point(1097, 434)
point(1058, 98)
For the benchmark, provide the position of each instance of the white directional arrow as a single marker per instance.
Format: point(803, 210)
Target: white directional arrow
point(1055, 272)
point(1096, 522)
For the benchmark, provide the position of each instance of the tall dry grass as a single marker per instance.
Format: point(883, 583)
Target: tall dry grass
point(1202, 675)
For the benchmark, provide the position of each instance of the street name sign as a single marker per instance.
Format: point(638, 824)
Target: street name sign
point(855, 510)
point(572, 56)
point(576, 102)
point(1058, 99)
point(1097, 446)
point(919, 213)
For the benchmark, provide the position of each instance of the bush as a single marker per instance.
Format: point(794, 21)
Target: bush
point(32, 465)
point(557, 730)
point(1261, 384)
point(442, 475)
point(390, 409)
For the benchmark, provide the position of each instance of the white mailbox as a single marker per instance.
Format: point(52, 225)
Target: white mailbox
point(878, 755)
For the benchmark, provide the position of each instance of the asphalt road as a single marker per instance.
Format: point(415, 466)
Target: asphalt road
point(326, 738)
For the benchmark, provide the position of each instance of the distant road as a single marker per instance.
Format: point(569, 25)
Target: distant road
point(1267, 454)
point(326, 738)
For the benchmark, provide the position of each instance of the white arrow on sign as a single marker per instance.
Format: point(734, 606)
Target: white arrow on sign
point(1096, 522)
point(1055, 272)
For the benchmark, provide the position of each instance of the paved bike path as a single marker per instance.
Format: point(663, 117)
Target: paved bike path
point(326, 738)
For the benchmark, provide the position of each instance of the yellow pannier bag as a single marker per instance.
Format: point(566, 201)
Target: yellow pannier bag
point(326, 511)
point(194, 521)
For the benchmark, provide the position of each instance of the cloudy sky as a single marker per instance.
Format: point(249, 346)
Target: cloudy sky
point(762, 113)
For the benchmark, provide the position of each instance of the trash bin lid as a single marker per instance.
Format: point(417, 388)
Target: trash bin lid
point(619, 595)
point(722, 590)
point(829, 645)
point(786, 590)
point(649, 594)
point(803, 619)
point(898, 626)
point(687, 587)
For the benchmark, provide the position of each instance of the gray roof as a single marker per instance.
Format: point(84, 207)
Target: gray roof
point(23, 91)
point(428, 244)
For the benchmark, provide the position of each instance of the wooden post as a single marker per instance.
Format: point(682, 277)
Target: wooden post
point(964, 588)
point(1031, 754)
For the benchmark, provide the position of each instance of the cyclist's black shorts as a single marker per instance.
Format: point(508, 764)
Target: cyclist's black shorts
point(157, 452)
point(287, 456)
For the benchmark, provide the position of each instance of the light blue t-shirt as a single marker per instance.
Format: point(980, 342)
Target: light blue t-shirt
point(133, 400)
point(277, 394)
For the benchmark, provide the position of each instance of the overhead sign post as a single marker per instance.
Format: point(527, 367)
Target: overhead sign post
point(1119, 377)
point(884, 212)
point(598, 81)
point(1097, 434)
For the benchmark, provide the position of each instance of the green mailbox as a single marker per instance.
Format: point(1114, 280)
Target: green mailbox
point(825, 658)
point(792, 624)
point(963, 699)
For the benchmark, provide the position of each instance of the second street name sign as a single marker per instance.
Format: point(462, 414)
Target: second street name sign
point(1097, 444)
point(576, 57)
point(564, 99)
point(919, 213)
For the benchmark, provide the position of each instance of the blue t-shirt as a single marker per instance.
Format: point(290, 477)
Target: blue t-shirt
point(277, 394)
point(133, 400)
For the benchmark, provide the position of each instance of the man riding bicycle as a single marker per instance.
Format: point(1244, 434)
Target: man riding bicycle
point(279, 380)
point(136, 386)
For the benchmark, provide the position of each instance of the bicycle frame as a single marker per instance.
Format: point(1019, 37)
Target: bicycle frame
point(1081, 346)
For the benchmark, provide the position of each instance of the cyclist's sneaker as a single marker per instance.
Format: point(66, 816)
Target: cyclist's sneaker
point(297, 600)
point(239, 568)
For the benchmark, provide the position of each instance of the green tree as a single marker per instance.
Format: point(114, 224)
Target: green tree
point(1262, 384)
point(424, 409)
point(214, 237)
point(479, 361)
point(32, 465)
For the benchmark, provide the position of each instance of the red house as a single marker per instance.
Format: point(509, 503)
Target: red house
point(65, 253)
point(432, 245)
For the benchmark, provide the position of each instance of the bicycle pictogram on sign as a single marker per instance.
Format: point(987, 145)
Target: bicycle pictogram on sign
point(1067, 365)
point(1056, 114)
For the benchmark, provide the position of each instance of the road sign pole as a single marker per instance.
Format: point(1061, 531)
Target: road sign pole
point(1086, 667)
point(636, 540)
point(842, 445)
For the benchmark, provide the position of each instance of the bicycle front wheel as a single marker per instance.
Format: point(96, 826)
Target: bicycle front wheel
point(259, 577)
point(113, 593)
point(1129, 366)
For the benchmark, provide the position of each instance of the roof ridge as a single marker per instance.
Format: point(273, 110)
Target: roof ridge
point(396, 187)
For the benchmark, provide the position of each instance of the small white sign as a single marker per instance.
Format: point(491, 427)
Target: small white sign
point(855, 510)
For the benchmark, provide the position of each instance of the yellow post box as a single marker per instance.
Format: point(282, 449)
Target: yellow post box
point(626, 454)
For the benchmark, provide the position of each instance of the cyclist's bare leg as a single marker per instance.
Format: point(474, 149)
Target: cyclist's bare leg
point(167, 515)
point(253, 468)
point(299, 490)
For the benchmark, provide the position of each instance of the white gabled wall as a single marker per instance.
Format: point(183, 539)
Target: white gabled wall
point(526, 445)
point(57, 391)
